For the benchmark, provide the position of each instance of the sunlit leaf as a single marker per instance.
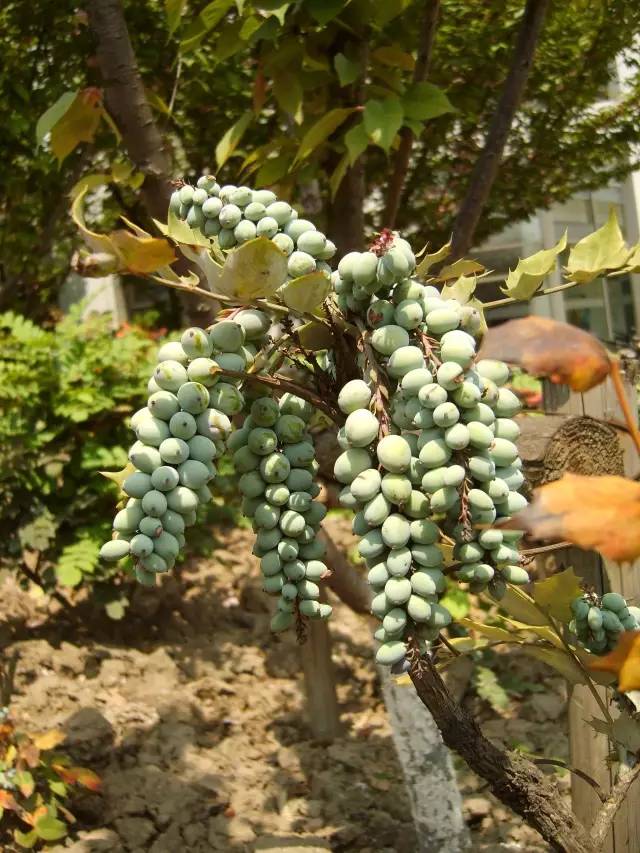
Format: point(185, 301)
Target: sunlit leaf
point(52, 116)
point(79, 776)
point(179, 231)
point(429, 260)
point(98, 242)
point(77, 124)
point(623, 661)
point(28, 840)
point(174, 10)
point(383, 120)
point(489, 688)
point(255, 269)
point(600, 513)
point(555, 594)
point(424, 101)
point(464, 266)
point(25, 782)
point(526, 278)
point(208, 18)
point(544, 347)
point(493, 632)
point(394, 56)
point(231, 139)
point(50, 828)
point(321, 131)
point(119, 477)
point(307, 292)
point(50, 739)
point(142, 254)
point(596, 253)
point(462, 289)
point(545, 632)
point(560, 660)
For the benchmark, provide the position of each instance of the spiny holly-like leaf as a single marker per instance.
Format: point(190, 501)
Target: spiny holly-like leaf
point(624, 730)
point(544, 347)
point(623, 661)
point(142, 254)
point(255, 269)
point(560, 660)
point(321, 131)
point(231, 139)
point(78, 123)
point(555, 594)
point(307, 292)
point(493, 632)
point(464, 266)
point(50, 739)
point(429, 260)
point(382, 120)
point(596, 253)
point(600, 513)
point(178, 230)
point(315, 336)
point(521, 606)
point(119, 477)
point(526, 278)
point(632, 264)
point(424, 101)
point(462, 289)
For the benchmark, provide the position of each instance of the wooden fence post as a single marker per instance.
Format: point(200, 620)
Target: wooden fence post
point(590, 751)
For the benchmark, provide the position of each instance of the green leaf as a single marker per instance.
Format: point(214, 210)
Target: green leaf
point(346, 69)
point(325, 10)
point(272, 170)
point(52, 116)
point(25, 839)
point(456, 600)
point(555, 594)
point(493, 632)
point(208, 18)
point(423, 101)
point(338, 174)
point(315, 336)
point(49, 828)
point(287, 91)
point(558, 659)
point(489, 688)
point(526, 278)
point(78, 123)
point(321, 131)
point(382, 121)
point(115, 610)
point(307, 292)
point(356, 139)
point(255, 269)
point(25, 781)
point(596, 253)
point(68, 575)
point(276, 9)
point(429, 260)
point(521, 606)
point(624, 731)
point(394, 56)
point(173, 10)
point(462, 289)
point(180, 232)
point(231, 139)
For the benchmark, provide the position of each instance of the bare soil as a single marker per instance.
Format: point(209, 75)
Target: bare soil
point(193, 713)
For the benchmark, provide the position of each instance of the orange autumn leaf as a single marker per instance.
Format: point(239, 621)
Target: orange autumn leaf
point(49, 740)
point(79, 776)
point(600, 513)
point(544, 347)
point(623, 661)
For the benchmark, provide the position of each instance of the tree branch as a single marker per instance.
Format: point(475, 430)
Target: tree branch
point(345, 582)
point(513, 779)
point(606, 815)
point(485, 170)
point(407, 136)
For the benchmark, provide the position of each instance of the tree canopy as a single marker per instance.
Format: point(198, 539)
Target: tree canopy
point(311, 97)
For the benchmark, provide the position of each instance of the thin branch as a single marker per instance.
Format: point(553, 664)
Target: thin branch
point(407, 136)
point(546, 549)
point(606, 815)
point(486, 167)
point(510, 300)
point(556, 762)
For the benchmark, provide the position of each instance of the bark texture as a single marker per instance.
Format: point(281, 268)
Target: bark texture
point(486, 167)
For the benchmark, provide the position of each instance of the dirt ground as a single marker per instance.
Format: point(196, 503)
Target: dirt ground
point(194, 716)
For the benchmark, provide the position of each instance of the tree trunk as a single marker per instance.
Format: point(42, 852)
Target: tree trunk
point(486, 168)
point(346, 211)
point(127, 104)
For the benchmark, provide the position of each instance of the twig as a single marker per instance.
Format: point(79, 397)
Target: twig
point(621, 394)
point(407, 136)
point(545, 549)
point(604, 819)
point(510, 300)
point(556, 762)
point(35, 578)
point(174, 91)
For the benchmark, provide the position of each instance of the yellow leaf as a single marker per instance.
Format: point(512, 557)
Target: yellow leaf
point(394, 56)
point(180, 232)
point(521, 606)
point(493, 632)
point(555, 594)
point(429, 260)
point(545, 632)
point(460, 267)
point(526, 278)
point(623, 661)
point(307, 292)
point(50, 739)
point(119, 477)
point(98, 242)
point(559, 660)
point(78, 124)
point(255, 269)
point(461, 289)
point(142, 254)
point(596, 253)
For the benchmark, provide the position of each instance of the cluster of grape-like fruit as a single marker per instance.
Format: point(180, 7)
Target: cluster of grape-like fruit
point(598, 622)
point(447, 455)
point(180, 431)
point(235, 215)
point(273, 452)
